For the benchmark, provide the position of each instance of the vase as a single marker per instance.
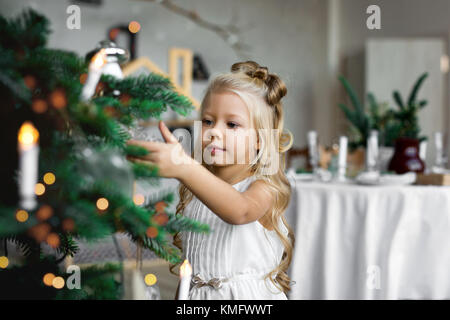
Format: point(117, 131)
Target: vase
point(406, 156)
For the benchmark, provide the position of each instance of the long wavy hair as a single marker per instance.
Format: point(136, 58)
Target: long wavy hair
point(262, 92)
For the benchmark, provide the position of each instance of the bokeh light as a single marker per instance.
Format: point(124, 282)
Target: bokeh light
point(138, 199)
point(150, 279)
point(68, 224)
point(58, 98)
point(102, 204)
point(48, 279)
point(151, 232)
point(39, 189)
point(40, 231)
point(30, 81)
point(53, 240)
point(49, 178)
point(58, 282)
point(134, 27)
point(4, 262)
point(161, 219)
point(44, 212)
point(83, 78)
point(21, 215)
point(160, 206)
point(39, 105)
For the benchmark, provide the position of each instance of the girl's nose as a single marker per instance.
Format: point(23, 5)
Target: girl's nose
point(216, 132)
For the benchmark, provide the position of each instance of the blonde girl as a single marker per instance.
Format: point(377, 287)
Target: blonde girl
point(239, 188)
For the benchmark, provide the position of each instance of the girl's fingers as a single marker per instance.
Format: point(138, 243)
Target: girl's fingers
point(138, 160)
point(167, 135)
point(149, 145)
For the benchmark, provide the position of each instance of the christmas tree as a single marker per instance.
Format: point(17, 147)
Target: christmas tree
point(84, 187)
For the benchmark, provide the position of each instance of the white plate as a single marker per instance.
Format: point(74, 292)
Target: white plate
point(386, 179)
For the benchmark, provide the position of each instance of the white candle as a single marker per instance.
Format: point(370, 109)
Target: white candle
point(439, 144)
point(372, 151)
point(342, 159)
point(312, 147)
point(185, 280)
point(95, 72)
point(423, 150)
point(28, 164)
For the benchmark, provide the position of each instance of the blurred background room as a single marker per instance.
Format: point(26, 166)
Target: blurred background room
point(368, 106)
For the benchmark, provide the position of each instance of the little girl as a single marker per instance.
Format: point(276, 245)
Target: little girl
point(239, 189)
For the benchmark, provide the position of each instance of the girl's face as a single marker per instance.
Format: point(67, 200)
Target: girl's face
point(228, 136)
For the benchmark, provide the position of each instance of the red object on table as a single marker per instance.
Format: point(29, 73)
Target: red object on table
point(406, 156)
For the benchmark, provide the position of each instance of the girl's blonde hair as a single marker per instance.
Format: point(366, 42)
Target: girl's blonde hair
point(249, 80)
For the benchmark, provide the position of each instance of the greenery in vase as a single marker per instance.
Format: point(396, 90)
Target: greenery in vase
point(390, 123)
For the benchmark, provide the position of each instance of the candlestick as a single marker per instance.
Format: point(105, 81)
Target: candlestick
point(342, 158)
point(185, 280)
point(95, 72)
point(28, 164)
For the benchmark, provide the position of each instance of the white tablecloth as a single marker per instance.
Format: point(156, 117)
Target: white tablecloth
point(369, 242)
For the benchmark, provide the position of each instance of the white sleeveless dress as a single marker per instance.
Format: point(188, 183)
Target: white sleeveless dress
point(230, 262)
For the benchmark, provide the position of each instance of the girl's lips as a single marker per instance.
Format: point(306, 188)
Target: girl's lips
point(215, 150)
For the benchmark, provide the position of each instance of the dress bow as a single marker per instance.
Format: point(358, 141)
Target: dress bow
point(198, 282)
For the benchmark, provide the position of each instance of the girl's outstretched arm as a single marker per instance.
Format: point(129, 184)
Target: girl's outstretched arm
point(229, 204)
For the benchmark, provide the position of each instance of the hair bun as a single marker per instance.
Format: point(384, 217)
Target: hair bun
point(252, 69)
point(261, 73)
point(276, 87)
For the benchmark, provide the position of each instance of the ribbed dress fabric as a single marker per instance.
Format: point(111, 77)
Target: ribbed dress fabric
point(243, 254)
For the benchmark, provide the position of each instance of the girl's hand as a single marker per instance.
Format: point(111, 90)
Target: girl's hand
point(169, 157)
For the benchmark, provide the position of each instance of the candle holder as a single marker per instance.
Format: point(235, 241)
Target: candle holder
point(106, 59)
point(114, 54)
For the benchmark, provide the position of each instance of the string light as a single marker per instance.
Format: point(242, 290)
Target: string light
point(102, 204)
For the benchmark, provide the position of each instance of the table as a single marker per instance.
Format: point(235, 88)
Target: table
point(369, 242)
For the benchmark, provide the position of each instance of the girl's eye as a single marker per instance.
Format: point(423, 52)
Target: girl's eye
point(233, 125)
point(207, 122)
